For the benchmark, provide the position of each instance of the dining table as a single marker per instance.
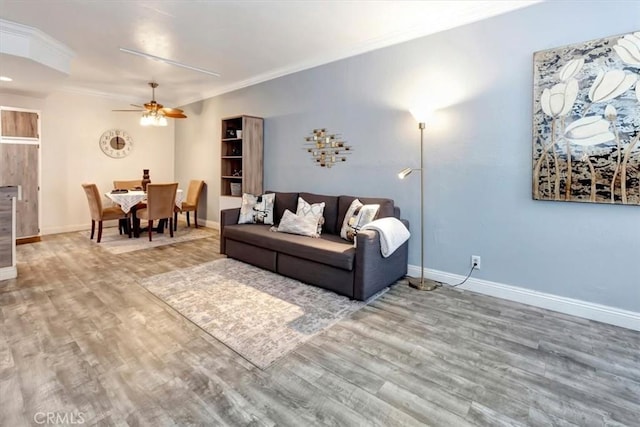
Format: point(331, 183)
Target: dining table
point(128, 201)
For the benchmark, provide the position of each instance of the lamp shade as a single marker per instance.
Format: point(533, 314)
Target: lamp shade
point(421, 114)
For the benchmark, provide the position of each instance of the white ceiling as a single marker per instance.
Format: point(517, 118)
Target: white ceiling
point(245, 41)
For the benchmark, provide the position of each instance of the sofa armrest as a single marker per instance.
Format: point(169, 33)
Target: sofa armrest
point(373, 272)
point(227, 217)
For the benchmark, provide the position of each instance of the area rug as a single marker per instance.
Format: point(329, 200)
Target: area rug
point(259, 314)
point(116, 243)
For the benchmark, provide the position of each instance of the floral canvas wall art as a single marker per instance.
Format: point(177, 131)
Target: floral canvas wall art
point(586, 121)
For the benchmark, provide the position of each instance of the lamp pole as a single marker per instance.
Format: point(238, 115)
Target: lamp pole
point(422, 285)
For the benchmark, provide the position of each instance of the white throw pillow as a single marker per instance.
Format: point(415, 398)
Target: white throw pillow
point(295, 224)
point(315, 210)
point(358, 215)
point(257, 209)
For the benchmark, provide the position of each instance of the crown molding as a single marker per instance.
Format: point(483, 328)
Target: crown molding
point(20, 40)
point(471, 14)
point(76, 90)
point(31, 43)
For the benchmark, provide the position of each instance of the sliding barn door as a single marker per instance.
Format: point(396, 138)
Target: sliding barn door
point(19, 165)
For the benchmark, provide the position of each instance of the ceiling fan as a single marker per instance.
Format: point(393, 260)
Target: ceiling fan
point(155, 114)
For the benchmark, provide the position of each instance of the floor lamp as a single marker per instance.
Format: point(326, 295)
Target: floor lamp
point(420, 283)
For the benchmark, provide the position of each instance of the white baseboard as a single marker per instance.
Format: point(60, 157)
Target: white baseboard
point(69, 228)
point(588, 310)
point(212, 224)
point(85, 227)
point(8, 273)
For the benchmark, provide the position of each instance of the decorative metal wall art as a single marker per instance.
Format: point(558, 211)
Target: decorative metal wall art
point(586, 121)
point(327, 149)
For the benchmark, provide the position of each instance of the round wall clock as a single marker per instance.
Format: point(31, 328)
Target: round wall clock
point(116, 143)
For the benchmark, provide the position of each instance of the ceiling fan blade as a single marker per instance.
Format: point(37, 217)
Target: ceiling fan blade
point(136, 105)
point(130, 111)
point(168, 110)
point(175, 115)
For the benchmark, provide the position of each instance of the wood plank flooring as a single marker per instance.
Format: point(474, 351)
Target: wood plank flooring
point(80, 338)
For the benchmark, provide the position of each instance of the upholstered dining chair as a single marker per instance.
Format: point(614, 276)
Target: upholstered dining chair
point(161, 198)
point(100, 214)
point(191, 203)
point(127, 184)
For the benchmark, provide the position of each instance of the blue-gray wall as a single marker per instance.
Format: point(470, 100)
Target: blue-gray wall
point(477, 150)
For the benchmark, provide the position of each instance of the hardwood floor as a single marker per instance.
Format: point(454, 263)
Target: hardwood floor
point(82, 341)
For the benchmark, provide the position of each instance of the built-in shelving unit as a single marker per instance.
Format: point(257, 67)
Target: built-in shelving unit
point(241, 157)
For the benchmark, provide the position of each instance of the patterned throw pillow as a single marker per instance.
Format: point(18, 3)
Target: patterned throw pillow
point(311, 210)
point(358, 215)
point(257, 209)
point(298, 224)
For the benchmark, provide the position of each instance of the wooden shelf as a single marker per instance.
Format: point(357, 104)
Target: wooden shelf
point(243, 155)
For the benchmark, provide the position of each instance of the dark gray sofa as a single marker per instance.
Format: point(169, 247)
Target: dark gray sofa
point(329, 261)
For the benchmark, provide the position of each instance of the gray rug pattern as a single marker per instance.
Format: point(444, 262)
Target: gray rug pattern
point(259, 314)
point(117, 243)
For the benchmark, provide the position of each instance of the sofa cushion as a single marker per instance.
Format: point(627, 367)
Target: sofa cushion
point(386, 206)
point(256, 209)
point(304, 225)
point(358, 215)
point(328, 249)
point(283, 202)
point(313, 210)
point(330, 211)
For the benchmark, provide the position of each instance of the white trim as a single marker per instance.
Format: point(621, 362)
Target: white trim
point(212, 224)
point(68, 229)
point(26, 110)
point(100, 94)
point(18, 140)
point(588, 310)
point(86, 227)
point(31, 43)
point(7, 273)
point(472, 13)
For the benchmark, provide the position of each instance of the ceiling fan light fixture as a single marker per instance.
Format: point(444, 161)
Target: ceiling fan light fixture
point(145, 120)
point(152, 118)
point(154, 114)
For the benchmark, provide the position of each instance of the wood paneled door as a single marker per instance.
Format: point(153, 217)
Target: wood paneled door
point(19, 164)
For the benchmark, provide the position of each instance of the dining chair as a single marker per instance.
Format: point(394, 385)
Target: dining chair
point(161, 198)
point(99, 213)
point(127, 184)
point(191, 204)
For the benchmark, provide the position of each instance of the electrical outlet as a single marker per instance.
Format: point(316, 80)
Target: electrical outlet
point(476, 261)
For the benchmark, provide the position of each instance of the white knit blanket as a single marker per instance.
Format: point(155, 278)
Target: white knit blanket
point(393, 234)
